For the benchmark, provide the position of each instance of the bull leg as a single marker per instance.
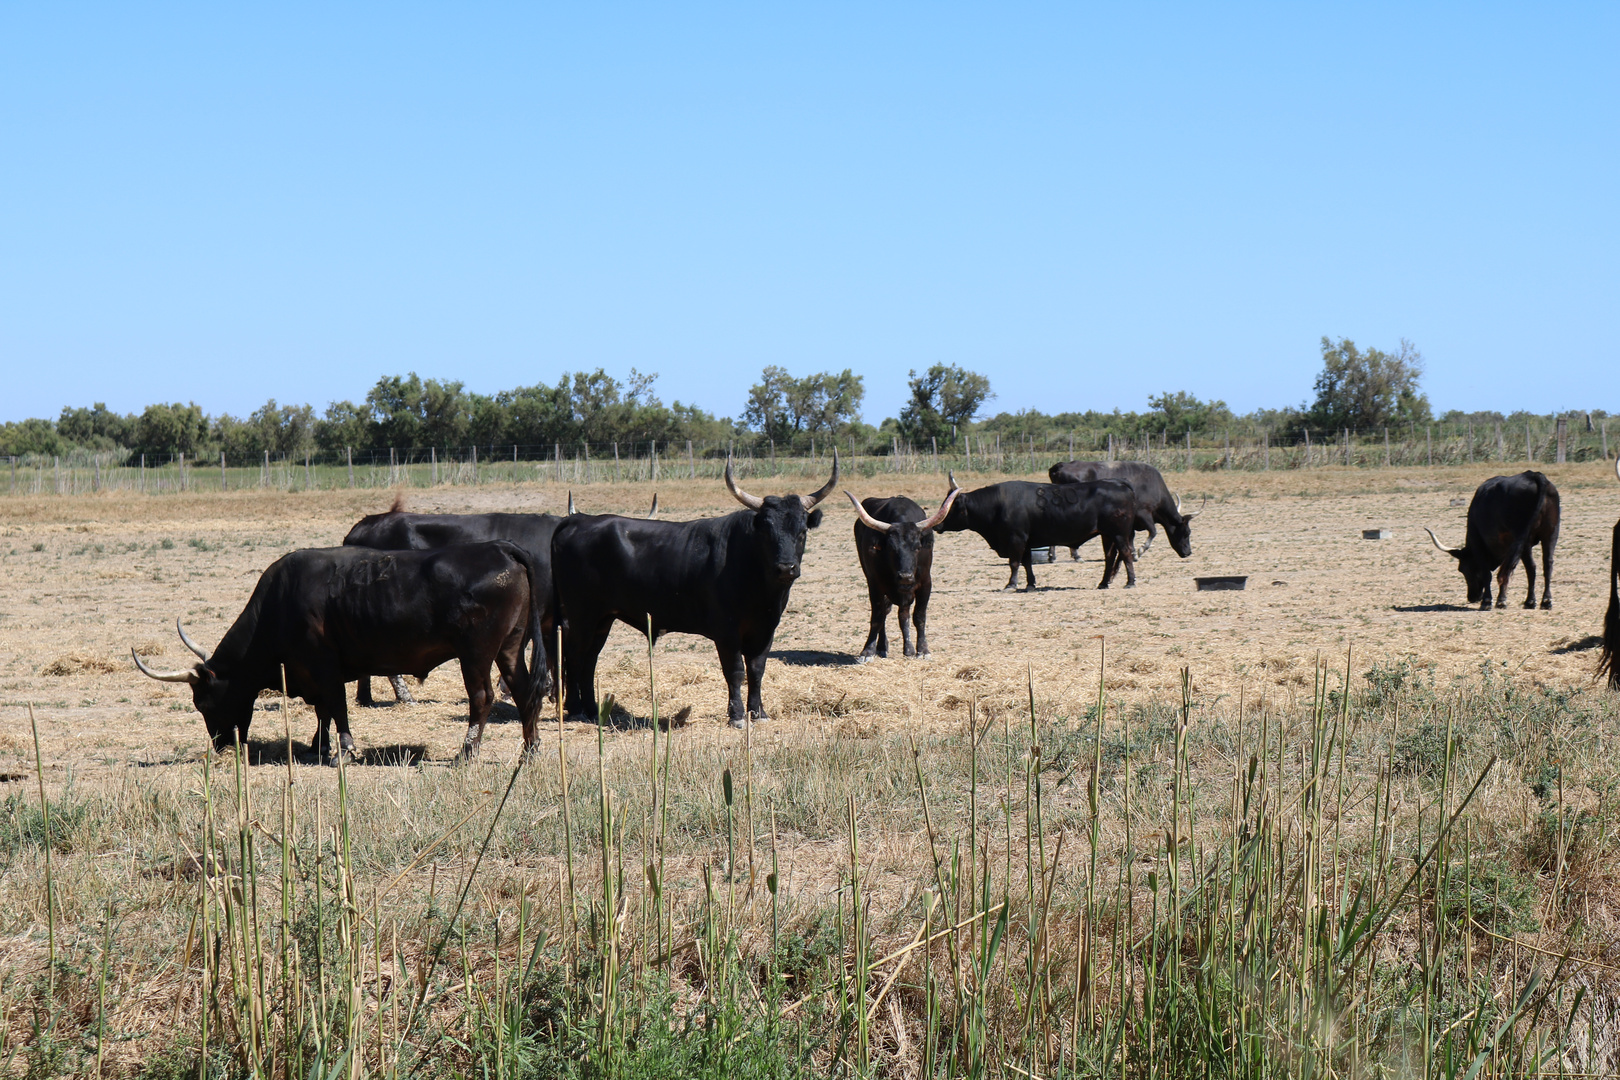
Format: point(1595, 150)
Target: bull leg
point(480, 699)
point(920, 619)
point(1110, 564)
point(1529, 559)
point(907, 649)
point(1503, 576)
point(877, 635)
point(362, 693)
point(1485, 597)
point(1074, 552)
point(1051, 553)
point(1012, 581)
point(1129, 555)
point(1029, 571)
point(756, 675)
point(1152, 531)
point(402, 693)
point(583, 647)
point(735, 671)
point(1546, 572)
point(513, 672)
point(333, 707)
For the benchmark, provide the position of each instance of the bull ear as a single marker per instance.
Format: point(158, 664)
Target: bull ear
point(813, 519)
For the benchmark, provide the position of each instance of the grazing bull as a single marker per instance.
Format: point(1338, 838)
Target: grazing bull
point(1611, 618)
point(330, 615)
point(1155, 505)
point(400, 531)
point(1016, 515)
point(895, 541)
point(726, 579)
point(1509, 515)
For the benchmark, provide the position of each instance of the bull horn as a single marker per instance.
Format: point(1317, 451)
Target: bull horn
point(192, 645)
point(867, 519)
point(1195, 513)
point(571, 510)
point(652, 511)
point(753, 502)
point(938, 517)
point(1449, 551)
point(185, 675)
point(811, 500)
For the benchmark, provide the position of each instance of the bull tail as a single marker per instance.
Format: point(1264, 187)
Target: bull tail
point(534, 639)
point(1611, 620)
point(1522, 548)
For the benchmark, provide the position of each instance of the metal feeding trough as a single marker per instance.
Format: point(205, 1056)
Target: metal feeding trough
point(1223, 583)
point(1044, 554)
point(1376, 534)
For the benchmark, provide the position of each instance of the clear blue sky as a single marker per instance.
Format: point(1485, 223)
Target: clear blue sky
point(230, 202)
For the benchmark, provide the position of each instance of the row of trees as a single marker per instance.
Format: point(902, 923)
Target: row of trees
point(1359, 389)
point(399, 411)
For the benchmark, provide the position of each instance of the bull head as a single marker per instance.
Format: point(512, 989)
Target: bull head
point(781, 523)
point(225, 713)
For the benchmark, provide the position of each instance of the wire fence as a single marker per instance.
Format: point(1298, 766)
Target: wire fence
point(1435, 445)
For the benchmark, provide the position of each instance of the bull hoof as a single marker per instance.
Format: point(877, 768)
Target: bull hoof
point(1529, 605)
point(1500, 604)
point(1546, 605)
point(737, 722)
point(865, 658)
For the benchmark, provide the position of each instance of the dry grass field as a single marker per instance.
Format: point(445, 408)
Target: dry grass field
point(84, 579)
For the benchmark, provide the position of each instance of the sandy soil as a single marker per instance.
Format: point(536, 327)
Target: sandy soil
point(83, 579)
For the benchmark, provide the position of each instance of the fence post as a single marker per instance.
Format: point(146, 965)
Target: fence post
point(348, 457)
point(14, 471)
point(615, 461)
point(309, 479)
point(1470, 442)
point(935, 443)
point(182, 472)
point(1529, 451)
point(143, 472)
point(475, 462)
point(1189, 450)
point(1226, 461)
point(222, 470)
point(1386, 447)
point(1428, 434)
point(691, 459)
point(1265, 440)
point(1307, 448)
point(264, 474)
point(1604, 425)
point(433, 456)
point(652, 450)
point(1563, 436)
point(1501, 447)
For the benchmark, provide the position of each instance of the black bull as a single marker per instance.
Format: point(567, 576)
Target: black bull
point(726, 579)
point(1155, 505)
point(1016, 515)
point(1507, 517)
point(396, 530)
point(399, 531)
point(330, 615)
point(894, 539)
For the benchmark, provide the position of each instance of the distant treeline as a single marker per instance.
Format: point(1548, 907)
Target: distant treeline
point(1364, 392)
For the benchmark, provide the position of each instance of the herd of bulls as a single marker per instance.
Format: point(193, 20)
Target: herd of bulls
point(408, 592)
